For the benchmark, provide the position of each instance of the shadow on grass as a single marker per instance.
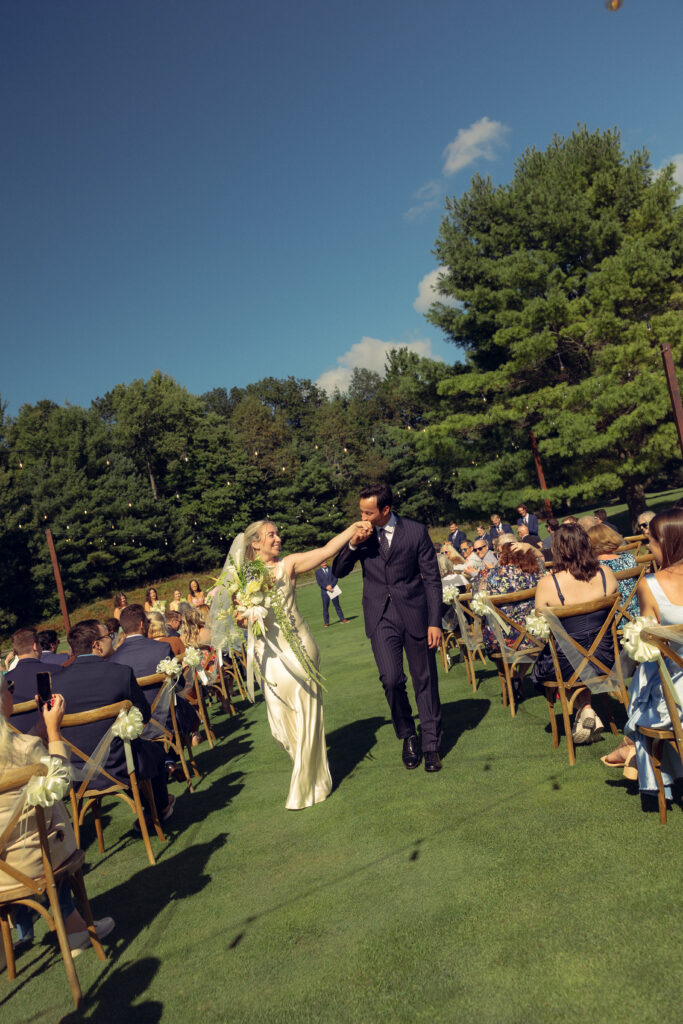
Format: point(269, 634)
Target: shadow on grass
point(114, 997)
point(350, 745)
point(460, 716)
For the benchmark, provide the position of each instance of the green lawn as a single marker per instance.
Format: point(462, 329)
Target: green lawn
point(510, 887)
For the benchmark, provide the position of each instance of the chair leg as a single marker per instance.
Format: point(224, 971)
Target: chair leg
point(201, 707)
point(503, 684)
point(146, 786)
point(75, 812)
point(64, 944)
point(655, 751)
point(7, 944)
point(567, 726)
point(141, 817)
point(97, 815)
point(78, 889)
point(553, 718)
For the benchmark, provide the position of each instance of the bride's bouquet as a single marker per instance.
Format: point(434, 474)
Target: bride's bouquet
point(254, 593)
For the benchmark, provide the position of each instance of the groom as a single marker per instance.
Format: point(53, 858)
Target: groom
point(402, 609)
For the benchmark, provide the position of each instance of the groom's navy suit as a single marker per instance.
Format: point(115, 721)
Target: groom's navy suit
point(401, 600)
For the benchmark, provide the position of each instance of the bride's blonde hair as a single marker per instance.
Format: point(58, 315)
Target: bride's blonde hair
point(252, 533)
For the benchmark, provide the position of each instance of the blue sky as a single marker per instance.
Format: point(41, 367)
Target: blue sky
point(227, 190)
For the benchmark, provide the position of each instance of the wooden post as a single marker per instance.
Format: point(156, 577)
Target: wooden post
point(539, 470)
point(674, 392)
point(58, 581)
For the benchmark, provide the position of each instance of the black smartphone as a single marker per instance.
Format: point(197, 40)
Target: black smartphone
point(44, 686)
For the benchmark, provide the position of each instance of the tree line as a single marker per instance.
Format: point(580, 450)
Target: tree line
point(557, 289)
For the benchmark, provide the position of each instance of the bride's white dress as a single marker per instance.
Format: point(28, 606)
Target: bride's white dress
point(294, 702)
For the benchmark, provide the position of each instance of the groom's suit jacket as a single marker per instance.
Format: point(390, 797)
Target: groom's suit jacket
point(408, 576)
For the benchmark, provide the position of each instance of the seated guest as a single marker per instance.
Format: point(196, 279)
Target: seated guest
point(480, 560)
point(518, 569)
point(498, 526)
point(158, 630)
point(606, 543)
point(48, 641)
point(551, 526)
point(137, 651)
point(93, 680)
point(120, 602)
point(455, 535)
point(22, 849)
point(643, 522)
point(576, 577)
point(569, 519)
point(451, 553)
point(114, 629)
point(528, 519)
point(528, 538)
point(173, 620)
point(23, 676)
point(661, 598)
point(601, 516)
point(193, 630)
point(586, 522)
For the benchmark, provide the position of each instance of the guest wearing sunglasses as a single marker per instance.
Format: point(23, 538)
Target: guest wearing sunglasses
point(480, 560)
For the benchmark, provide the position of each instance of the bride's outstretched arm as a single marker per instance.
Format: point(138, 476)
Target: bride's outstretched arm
point(295, 564)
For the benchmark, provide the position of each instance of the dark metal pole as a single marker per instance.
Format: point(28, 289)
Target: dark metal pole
point(674, 392)
point(539, 470)
point(58, 581)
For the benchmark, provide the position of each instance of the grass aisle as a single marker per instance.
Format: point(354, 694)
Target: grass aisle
point(508, 888)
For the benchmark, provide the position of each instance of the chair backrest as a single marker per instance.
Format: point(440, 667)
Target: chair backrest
point(634, 575)
point(674, 711)
point(108, 712)
point(523, 641)
point(632, 545)
point(16, 779)
point(586, 658)
point(144, 682)
point(469, 621)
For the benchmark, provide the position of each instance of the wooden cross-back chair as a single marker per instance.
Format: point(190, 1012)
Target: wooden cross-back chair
point(172, 739)
point(23, 708)
point(568, 686)
point(198, 701)
point(658, 739)
point(471, 639)
point(27, 891)
point(217, 674)
point(85, 796)
point(628, 545)
point(235, 668)
point(524, 647)
point(634, 576)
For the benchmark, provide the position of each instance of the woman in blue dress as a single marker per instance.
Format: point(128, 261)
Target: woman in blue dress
point(661, 598)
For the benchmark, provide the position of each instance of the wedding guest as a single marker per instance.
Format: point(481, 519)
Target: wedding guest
point(195, 594)
point(173, 620)
point(498, 527)
point(480, 560)
point(569, 519)
point(455, 535)
point(23, 676)
point(601, 516)
point(528, 538)
point(48, 641)
point(528, 519)
point(120, 602)
point(21, 850)
point(551, 526)
point(606, 543)
point(577, 577)
point(328, 582)
point(152, 602)
point(644, 520)
point(193, 630)
point(586, 522)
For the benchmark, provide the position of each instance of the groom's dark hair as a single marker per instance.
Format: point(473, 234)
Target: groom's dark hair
point(382, 492)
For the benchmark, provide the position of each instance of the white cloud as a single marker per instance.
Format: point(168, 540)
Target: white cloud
point(368, 354)
point(427, 197)
point(479, 140)
point(427, 293)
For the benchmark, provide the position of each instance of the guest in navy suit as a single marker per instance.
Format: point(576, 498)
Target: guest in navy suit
point(455, 536)
point(91, 682)
point(48, 642)
point(498, 526)
point(528, 518)
point(143, 655)
point(402, 609)
point(29, 652)
point(327, 581)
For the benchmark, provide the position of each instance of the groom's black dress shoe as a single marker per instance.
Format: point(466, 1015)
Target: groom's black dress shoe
point(411, 752)
point(432, 761)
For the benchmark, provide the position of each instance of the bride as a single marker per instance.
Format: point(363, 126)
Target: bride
point(293, 695)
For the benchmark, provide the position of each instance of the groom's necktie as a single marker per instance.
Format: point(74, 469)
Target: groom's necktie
point(383, 542)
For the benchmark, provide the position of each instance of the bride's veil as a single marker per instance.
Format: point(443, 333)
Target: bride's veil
point(225, 634)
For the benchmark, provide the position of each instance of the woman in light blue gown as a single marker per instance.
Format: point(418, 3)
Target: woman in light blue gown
point(661, 598)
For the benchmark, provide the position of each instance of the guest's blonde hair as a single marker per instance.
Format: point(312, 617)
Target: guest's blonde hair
point(192, 622)
point(157, 625)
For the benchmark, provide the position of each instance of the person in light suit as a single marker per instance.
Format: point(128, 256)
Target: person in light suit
point(402, 610)
point(327, 581)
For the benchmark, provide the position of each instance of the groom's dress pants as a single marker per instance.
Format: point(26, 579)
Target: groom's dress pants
point(389, 641)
